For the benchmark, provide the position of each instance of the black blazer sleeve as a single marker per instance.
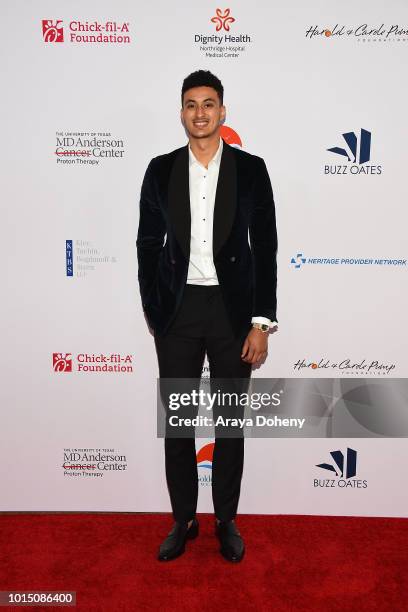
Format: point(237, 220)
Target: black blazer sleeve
point(151, 233)
point(264, 244)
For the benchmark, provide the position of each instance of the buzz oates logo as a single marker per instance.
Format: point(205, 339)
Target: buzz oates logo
point(344, 468)
point(221, 39)
point(90, 363)
point(204, 464)
point(92, 462)
point(363, 32)
point(107, 32)
point(356, 149)
point(76, 148)
point(345, 367)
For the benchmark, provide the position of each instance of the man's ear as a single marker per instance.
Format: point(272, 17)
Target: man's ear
point(181, 116)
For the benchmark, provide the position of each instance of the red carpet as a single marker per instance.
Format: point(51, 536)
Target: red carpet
point(293, 563)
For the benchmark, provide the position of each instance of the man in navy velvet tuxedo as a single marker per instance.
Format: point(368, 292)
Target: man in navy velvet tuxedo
point(207, 289)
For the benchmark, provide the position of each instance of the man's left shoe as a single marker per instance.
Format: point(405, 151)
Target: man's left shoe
point(232, 544)
point(175, 543)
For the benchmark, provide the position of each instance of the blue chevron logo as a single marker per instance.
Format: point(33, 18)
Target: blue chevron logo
point(345, 469)
point(298, 261)
point(358, 148)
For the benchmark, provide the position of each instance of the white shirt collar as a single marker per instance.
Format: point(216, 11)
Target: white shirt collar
point(216, 159)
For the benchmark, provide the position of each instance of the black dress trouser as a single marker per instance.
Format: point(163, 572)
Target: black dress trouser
point(202, 326)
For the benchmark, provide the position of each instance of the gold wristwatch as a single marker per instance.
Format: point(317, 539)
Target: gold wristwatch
point(262, 326)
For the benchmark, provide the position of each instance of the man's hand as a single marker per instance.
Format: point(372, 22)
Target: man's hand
point(255, 347)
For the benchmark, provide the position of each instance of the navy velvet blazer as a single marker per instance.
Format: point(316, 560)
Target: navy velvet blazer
point(246, 271)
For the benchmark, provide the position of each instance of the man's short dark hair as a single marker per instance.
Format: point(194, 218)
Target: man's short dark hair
point(202, 78)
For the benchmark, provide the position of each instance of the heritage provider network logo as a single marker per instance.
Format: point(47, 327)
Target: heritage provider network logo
point(113, 32)
point(299, 260)
point(357, 150)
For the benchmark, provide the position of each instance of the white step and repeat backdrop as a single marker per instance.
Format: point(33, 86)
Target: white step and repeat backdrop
point(90, 93)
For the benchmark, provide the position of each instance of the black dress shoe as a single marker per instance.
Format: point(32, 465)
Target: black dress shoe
point(175, 543)
point(232, 545)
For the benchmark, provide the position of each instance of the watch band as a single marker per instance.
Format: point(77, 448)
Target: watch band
point(262, 326)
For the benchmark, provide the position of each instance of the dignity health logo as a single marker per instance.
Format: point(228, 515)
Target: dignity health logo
point(299, 260)
point(86, 32)
point(222, 19)
point(344, 468)
point(222, 44)
point(357, 150)
point(205, 460)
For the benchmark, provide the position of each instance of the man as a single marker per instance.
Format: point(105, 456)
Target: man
point(205, 289)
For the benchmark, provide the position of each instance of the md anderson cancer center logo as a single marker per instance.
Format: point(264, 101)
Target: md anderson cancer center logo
point(87, 148)
point(108, 32)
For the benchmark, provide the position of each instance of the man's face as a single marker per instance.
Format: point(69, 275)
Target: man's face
point(202, 112)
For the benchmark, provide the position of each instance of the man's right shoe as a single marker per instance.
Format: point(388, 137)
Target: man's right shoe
point(232, 545)
point(175, 543)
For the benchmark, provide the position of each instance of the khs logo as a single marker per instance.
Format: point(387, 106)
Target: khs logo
point(222, 19)
point(52, 31)
point(61, 362)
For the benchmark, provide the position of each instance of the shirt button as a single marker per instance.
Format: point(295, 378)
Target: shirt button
point(232, 258)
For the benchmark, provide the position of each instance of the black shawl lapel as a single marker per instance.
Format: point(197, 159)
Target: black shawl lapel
point(225, 199)
point(179, 201)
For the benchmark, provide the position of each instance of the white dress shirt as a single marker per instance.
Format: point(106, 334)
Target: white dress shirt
point(203, 186)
